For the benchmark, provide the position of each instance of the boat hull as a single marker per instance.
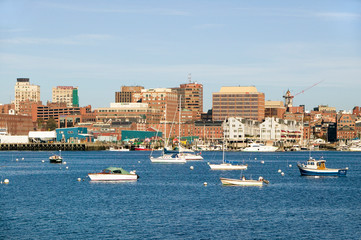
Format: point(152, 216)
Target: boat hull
point(322, 172)
point(163, 159)
point(112, 177)
point(227, 166)
point(260, 149)
point(55, 159)
point(240, 182)
point(193, 157)
point(142, 149)
point(355, 149)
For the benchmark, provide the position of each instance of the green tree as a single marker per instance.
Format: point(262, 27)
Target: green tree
point(40, 123)
point(51, 124)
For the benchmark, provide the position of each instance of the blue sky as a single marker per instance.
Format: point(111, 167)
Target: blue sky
point(101, 45)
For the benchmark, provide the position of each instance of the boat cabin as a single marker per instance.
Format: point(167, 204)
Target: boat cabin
point(316, 164)
point(112, 170)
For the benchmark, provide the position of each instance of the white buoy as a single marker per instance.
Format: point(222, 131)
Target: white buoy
point(64, 162)
point(279, 170)
point(191, 167)
point(67, 167)
point(138, 161)
point(205, 183)
point(317, 176)
point(17, 159)
point(282, 173)
point(79, 179)
point(6, 181)
point(290, 165)
point(255, 158)
point(262, 162)
point(42, 161)
point(22, 159)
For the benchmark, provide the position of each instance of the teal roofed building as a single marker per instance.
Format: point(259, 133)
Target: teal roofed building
point(73, 135)
point(141, 135)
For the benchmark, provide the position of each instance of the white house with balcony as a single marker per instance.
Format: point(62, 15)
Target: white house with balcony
point(238, 129)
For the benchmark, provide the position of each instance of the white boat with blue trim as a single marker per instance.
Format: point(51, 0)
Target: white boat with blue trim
point(315, 167)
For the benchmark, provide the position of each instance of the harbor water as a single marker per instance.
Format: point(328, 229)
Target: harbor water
point(171, 201)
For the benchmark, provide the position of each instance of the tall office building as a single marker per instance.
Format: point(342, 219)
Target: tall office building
point(192, 97)
point(126, 94)
point(25, 91)
point(66, 94)
point(245, 102)
point(164, 99)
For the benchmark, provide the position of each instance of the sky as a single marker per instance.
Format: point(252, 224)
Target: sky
point(100, 46)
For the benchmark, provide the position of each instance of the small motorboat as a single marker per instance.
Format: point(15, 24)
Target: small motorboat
point(259, 147)
point(168, 158)
point(244, 182)
point(114, 174)
point(315, 167)
point(112, 149)
point(55, 159)
point(228, 165)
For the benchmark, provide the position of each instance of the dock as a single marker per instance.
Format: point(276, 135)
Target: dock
point(51, 147)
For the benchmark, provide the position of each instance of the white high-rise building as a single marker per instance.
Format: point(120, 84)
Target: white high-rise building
point(66, 94)
point(25, 91)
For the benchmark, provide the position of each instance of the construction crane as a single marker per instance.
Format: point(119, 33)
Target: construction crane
point(289, 97)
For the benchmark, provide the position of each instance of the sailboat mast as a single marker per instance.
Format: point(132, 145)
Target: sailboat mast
point(180, 109)
point(165, 128)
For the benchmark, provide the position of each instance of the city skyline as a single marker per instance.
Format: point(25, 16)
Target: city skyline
point(101, 46)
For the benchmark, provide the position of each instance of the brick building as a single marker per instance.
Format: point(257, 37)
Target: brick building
point(245, 102)
point(126, 94)
point(16, 124)
point(346, 128)
point(274, 109)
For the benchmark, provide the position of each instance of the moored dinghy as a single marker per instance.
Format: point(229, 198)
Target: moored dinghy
point(113, 174)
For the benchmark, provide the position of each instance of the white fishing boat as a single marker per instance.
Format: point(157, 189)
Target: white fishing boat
point(228, 165)
point(113, 174)
point(112, 149)
point(259, 147)
point(244, 182)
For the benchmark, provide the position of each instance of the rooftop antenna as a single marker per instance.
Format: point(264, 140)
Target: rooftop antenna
point(190, 77)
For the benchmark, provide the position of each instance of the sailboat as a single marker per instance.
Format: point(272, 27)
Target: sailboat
point(228, 165)
point(170, 157)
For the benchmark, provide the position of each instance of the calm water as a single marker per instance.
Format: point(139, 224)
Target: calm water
point(45, 201)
